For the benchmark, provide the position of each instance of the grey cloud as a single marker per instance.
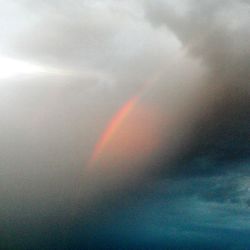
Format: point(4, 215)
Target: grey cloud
point(100, 35)
point(114, 40)
point(119, 44)
point(105, 44)
point(101, 52)
point(217, 33)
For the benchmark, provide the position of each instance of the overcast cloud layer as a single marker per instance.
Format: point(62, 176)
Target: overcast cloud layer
point(66, 69)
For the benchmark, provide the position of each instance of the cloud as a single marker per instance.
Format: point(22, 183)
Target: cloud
point(215, 32)
point(99, 35)
point(194, 190)
point(102, 53)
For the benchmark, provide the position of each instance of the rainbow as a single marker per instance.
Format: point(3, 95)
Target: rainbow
point(112, 127)
point(118, 120)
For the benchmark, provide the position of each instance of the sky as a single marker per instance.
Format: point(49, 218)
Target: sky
point(124, 124)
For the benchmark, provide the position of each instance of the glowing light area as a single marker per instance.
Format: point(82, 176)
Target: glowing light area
point(131, 136)
point(11, 67)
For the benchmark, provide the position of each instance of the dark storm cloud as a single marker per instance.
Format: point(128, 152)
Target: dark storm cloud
point(216, 32)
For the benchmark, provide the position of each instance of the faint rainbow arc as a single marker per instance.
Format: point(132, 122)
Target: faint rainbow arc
point(112, 127)
point(116, 121)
